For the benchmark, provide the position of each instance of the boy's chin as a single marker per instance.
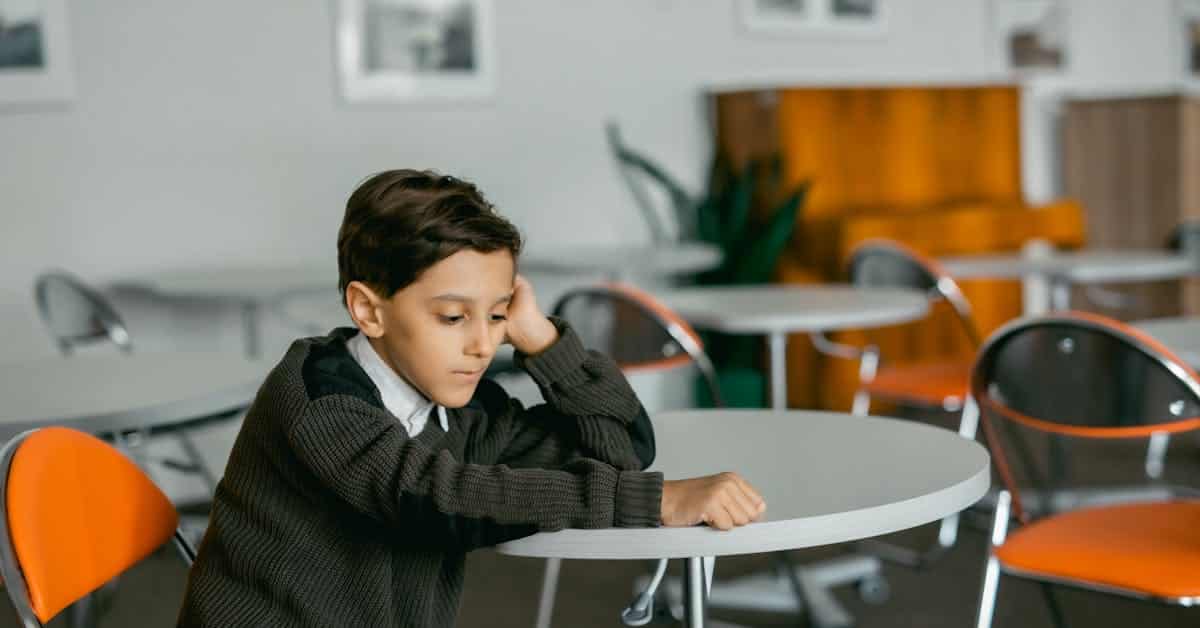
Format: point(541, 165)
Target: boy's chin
point(456, 398)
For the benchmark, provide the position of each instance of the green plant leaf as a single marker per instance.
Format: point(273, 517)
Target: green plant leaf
point(735, 224)
point(757, 260)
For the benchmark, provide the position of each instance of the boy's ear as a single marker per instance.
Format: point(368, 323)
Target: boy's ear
point(365, 307)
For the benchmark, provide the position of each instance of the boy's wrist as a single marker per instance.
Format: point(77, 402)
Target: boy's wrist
point(536, 338)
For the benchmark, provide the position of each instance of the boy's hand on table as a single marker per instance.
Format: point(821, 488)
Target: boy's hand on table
point(722, 501)
point(529, 331)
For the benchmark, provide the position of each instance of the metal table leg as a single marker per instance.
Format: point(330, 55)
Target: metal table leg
point(695, 592)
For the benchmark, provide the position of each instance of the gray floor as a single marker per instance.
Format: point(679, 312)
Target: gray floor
point(502, 591)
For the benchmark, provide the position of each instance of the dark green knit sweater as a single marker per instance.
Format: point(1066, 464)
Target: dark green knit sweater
point(330, 515)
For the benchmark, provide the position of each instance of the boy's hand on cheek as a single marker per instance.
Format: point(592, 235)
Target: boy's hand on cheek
point(529, 331)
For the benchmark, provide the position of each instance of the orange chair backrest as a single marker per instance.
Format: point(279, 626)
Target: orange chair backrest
point(648, 330)
point(1082, 375)
point(77, 513)
point(883, 262)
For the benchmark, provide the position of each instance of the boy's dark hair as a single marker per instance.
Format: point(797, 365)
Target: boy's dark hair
point(398, 223)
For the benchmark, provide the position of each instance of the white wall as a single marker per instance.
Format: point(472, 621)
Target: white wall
point(209, 133)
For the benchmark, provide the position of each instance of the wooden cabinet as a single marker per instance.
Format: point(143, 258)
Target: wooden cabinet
point(1134, 165)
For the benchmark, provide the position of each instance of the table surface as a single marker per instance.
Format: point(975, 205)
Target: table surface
point(105, 393)
point(1087, 266)
point(794, 308)
point(650, 259)
point(827, 478)
point(1181, 335)
point(258, 283)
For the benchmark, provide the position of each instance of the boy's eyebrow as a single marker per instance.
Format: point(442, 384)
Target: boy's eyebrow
point(458, 298)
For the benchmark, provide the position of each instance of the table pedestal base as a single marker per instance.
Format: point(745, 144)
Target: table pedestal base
point(773, 591)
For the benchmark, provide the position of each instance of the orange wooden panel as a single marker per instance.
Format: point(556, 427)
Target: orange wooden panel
point(904, 149)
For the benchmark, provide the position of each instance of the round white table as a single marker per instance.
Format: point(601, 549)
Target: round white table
point(827, 478)
point(1181, 335)
point(252, 287)
point(1059, 270)
point(116, 393)
point(777, 310)
point(623, 262)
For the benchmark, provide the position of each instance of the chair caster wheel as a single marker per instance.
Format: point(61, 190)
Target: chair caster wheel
point(874, 590)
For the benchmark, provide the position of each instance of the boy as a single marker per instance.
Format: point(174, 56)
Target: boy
point(374, 458)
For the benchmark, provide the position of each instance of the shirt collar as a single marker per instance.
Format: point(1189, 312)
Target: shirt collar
point(399, 397)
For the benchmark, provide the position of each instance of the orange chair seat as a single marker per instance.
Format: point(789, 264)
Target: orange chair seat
point(1149, 548)
point(925, 383)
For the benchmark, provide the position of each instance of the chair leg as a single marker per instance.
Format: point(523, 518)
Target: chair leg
point(549, 589)
point(987, 599)
point(201, 468)
point(1056, 614)
point(1156, 454)
point(862, 403)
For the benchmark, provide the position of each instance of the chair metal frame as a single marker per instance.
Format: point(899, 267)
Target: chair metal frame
point(112, 327)
point(109, 323)
point(1009, 501)
point(937, 285)
point(10, 564)
point(682, 334)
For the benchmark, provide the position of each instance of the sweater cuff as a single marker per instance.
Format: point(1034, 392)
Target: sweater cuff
point(565, 356)
point(638, 502)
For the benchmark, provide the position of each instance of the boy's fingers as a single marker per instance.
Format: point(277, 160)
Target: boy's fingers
point(753, 494)
point(721, 518)
point(746, 505)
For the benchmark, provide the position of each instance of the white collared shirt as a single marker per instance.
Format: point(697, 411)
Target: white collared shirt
point(399, 397)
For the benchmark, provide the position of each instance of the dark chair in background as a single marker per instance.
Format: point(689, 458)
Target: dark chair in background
point(1084, 376)
point(641, 335)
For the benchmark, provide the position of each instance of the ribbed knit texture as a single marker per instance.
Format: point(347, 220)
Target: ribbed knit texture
point(330, 515)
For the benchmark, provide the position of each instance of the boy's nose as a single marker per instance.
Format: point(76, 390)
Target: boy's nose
point(481, 343)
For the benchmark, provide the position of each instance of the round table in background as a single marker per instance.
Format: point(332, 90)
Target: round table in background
point(1058, 271)
point(777, 310)
point(623, 262)
point(1181, 335)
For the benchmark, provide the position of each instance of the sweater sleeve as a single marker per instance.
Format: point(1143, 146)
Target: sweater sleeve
point(590, 410)
point(371, 464)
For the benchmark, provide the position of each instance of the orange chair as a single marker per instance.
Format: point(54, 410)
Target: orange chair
point(640, 334)
point(76, 514)
point(885, 263)
point(930, 385)
point(1086, 376)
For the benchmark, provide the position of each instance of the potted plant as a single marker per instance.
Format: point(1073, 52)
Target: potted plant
point(749, 214)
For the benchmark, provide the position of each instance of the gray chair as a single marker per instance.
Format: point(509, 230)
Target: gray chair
point(640, 334)
point(77, 315)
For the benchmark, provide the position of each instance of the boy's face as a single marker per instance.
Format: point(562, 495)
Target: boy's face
point(441, 332)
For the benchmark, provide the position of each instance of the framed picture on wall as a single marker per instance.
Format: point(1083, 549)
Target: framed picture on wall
point(415, 50)
point(1029, 36)
point(35, 63)
point(814, 17)
point(1188, 38)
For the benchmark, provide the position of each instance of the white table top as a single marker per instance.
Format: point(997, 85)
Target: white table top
point(619, 260)
point(1181, 335)
point(116, 392)
point(793, 308)
point(827, 478)
point(1087, 266)
point(258, 283)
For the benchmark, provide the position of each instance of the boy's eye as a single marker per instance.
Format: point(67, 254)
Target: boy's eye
point(450, 319)
point(499, 317)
